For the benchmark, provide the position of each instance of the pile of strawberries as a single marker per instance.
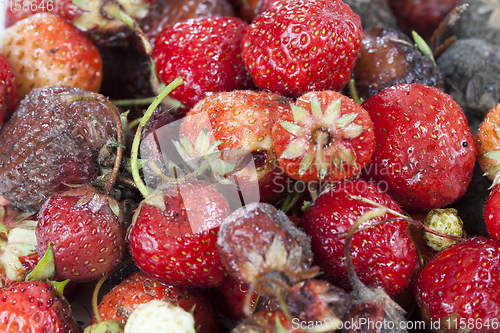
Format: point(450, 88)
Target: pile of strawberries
point(255, 166)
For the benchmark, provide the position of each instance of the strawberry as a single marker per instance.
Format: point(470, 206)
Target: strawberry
point(45, 49)
point(86, 231)
point(457, 289)
point(445, 221)
point(488, 143)
point(8, 90)
point(139, 288)
point(238, 123)
point(323, 136)
point(34, 307)
point(50, 143)
point(302, 45)
point(422, 16)
point(206, 52)
point(258, 241)
point(156, 315)
point(174, 232)
point(382, 256)
point(425, 153)
point(492, 213)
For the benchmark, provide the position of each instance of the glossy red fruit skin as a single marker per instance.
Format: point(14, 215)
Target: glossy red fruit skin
point(383, 256)
point(492, 213)
point(86, 244)
point(165, 244)
point(462, 282)
point(139, 288)
point(34, 307)
point(304, 45)
point(206, 52)
point(8, 90)
point(425, 151)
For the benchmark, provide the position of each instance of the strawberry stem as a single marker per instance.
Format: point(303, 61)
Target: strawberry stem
point(93, 97)
point(98, 286)
point(111, 9)
point(137, 137)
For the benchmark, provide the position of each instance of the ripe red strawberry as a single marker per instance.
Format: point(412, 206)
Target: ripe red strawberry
point(174, 232)
point(206, 52)
point(86, 230)
point(458, 288)
point(140, 288)
point(425, 152)
point(238, 123)
point(45, 49)
point(8, 90)
point(383, 256)
point(488, 143)
point(492, 213)
point(303, 45)
point(34, 307)
point(323, 136)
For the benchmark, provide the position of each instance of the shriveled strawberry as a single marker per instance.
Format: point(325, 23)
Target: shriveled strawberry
point(457, 290)
point(258, 241)
point(86, 230)
point(174, 232)
point(45, 49)
point(140, 288)
point(8, 90)
point(304, 45)
point(206, 52)
point(268, 321)
point(383, 256)
point(422, 16)
point(34, 307)
point(488, 143)
point(234, 125)
point(425, 152)
point(323, 136)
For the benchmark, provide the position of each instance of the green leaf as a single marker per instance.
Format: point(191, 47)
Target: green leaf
point(279, 327)
point(45, 269)
point(332, 112)
point(346, 119)
point(294, 149)
point(423, 47)
point(300, 115)
point(59, 286)
point(82, 4)
point(305, 164)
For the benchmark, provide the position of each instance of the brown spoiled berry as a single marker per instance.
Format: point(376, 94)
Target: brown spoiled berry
point(387, 57)
point(258, 240)
point(48, 144)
